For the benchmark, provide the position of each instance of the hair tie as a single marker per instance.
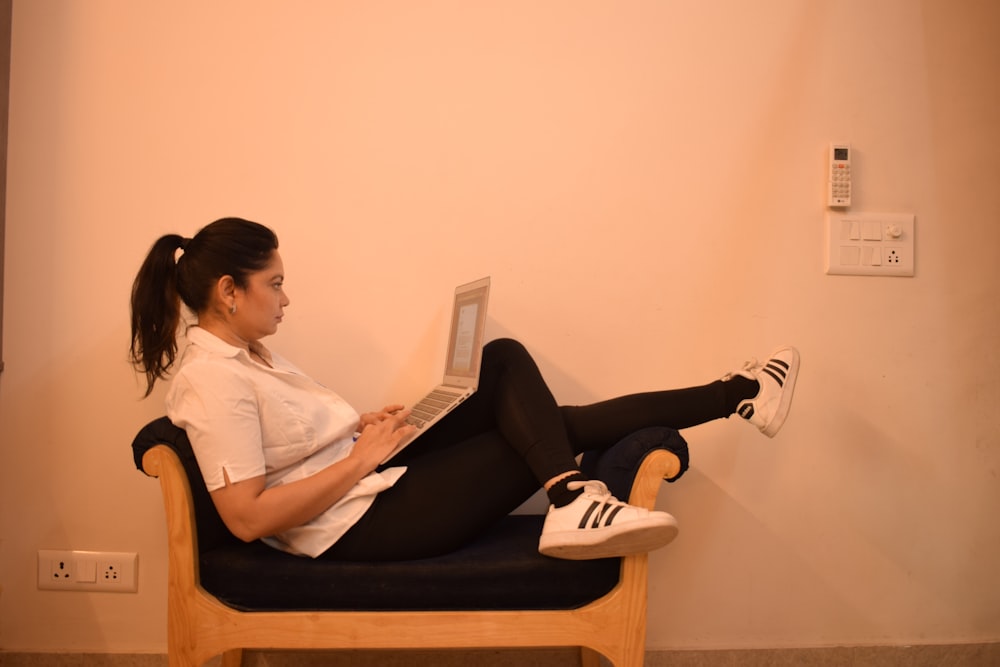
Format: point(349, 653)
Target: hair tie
point(183, 243)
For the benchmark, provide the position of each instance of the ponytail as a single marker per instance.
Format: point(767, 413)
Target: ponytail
point(156, 310)
point(227, 247)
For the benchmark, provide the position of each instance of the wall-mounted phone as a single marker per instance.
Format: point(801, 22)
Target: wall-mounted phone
point(839, 178)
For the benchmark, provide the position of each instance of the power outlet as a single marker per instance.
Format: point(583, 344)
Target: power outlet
point(98, 571)
point(109, 573)
point(59, 570)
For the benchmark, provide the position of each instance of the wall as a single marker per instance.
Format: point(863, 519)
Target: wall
point(644, 182)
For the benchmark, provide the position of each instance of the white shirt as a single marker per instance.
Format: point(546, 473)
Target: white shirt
point(250, 419)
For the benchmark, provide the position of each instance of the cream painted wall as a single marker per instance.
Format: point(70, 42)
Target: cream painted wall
point(644, 182)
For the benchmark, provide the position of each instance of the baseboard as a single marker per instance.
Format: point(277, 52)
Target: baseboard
point(966, 655)
point(947, 655)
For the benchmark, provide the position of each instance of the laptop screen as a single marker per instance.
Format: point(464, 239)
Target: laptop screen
point(468, 327)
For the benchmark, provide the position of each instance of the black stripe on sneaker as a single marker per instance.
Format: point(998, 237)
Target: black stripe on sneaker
point(611, 515)
point(600, 517)
point(586, 515)
point(776, 370)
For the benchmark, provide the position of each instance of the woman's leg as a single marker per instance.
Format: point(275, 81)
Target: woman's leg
point(497, 448)
point(598, 425)
point(514, 401)
point(450, 494)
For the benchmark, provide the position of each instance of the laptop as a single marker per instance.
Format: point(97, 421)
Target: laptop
point(462, 364)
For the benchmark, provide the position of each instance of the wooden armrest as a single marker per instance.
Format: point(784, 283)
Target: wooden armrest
point(152, 460)
point(658, 465)
point(161, 461)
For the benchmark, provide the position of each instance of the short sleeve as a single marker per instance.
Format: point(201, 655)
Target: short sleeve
point(220, 413)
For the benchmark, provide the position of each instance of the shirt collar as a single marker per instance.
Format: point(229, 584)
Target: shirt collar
point(209, 341)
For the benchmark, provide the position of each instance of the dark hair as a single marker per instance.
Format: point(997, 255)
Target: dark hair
point(227, 247)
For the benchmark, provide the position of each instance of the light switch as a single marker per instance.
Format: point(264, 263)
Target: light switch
point(850, 255)
point(86, 571)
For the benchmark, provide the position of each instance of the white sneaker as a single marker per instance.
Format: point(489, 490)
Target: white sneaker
point(597, 525)
point(769, 408)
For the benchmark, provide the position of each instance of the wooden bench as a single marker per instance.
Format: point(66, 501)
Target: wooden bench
point(225, 595)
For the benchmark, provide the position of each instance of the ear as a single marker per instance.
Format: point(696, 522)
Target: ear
point(225, 290)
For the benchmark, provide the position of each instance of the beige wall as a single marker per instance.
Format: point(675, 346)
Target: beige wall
point(643, 180)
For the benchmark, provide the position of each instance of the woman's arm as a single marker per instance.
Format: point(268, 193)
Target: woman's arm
point(251, 511)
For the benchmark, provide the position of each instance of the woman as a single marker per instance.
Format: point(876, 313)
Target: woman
point(286, 460)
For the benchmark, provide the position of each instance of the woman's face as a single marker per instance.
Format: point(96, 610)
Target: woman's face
point(260, 307)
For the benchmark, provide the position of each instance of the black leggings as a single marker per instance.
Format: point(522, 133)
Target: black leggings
point(496, 450)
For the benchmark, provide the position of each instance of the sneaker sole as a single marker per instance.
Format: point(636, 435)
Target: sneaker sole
point(610, 542)
point(788, 389)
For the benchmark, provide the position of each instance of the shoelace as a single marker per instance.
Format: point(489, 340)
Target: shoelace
point(603, 502)
point(746, 371)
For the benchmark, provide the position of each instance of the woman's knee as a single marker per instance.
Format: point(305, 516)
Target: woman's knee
point(505, 347)
point(508, 353)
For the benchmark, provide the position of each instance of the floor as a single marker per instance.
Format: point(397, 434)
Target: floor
point(964, 655)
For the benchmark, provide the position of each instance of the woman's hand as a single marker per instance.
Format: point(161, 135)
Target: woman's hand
point(369, 418)
point(381, 433)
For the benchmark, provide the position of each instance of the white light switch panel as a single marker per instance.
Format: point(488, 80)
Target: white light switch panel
point(869, 244)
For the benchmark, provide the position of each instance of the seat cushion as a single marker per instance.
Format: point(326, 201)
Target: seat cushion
point(503, 570)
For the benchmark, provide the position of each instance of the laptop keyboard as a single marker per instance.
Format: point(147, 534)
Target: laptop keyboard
point(431, 405)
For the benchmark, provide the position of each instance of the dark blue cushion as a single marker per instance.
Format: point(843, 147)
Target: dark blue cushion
point(211, 531)
point(617, 466)
point(503, 570)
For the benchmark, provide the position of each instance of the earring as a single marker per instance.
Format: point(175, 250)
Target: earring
point(232, 309)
